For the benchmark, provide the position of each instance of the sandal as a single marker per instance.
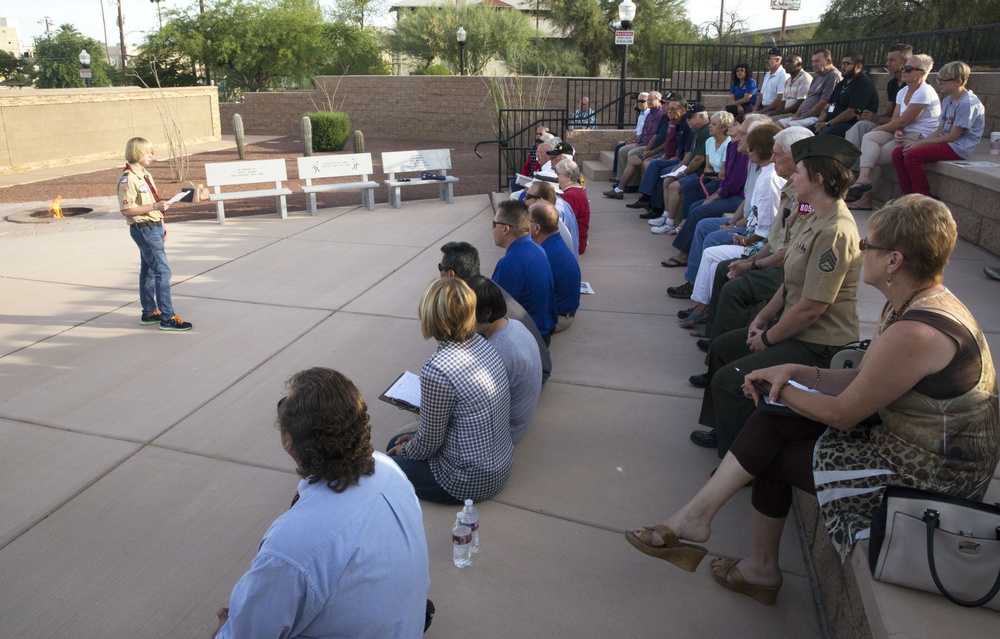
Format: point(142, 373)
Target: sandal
point(729, 577)
point(686, 556)
point(701, 331)
point(694, 319)
point(673, 262)
point(857, 190)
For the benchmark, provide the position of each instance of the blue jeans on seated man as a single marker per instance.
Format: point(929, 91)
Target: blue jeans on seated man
point(652, 184)
point(154, 271)
point(840, 130)
point(692, 192)
point(699, 211)
point(706, 236)
point(418, 471)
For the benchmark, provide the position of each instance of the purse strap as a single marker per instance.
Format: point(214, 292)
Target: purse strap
point(933, 520)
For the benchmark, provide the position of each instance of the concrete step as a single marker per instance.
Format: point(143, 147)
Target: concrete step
point(715, 101)
point(608, 157)
point(597, 171)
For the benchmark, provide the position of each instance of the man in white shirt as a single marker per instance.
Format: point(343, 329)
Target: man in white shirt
point(772, 87)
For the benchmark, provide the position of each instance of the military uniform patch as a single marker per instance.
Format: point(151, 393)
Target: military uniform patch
point(828, 261)
point(124, 180)
point(800, 247)
point(126, 202)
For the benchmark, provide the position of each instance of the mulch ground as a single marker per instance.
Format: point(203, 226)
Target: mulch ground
point(476, 176)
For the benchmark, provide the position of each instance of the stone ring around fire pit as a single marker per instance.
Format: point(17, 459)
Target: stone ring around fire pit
point(61, 210)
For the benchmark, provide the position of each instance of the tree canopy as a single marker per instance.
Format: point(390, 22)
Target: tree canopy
point(848, 19)
point(57, 61)
point(351, 50)
point(12, 68)
point(357, 13)
point(430, 32)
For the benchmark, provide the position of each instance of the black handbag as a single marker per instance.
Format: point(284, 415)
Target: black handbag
point(937, 543)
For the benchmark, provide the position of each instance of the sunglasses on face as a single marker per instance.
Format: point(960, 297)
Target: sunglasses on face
point(528, 196)
point(864, 246)
point(496, 224)
point(907, 68)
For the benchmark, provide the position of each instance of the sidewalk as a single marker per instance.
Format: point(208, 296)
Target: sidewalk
point(143, 467)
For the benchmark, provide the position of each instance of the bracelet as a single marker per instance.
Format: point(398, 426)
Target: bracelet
point(781, 388)
point(816, 383)
point(763, 338)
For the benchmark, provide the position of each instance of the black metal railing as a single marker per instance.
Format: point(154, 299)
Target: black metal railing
point(693, 69)
point(605, 97)
point(516, 135)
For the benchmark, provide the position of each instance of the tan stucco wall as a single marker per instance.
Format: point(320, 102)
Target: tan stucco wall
point(50, 127)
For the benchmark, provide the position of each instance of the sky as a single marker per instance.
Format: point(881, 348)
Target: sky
point(140, 15)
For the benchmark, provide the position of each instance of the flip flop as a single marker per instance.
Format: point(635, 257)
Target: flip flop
point(701, 331)
point(686, 556)
point(673, 262)
point(729, 577)
point(694, 319)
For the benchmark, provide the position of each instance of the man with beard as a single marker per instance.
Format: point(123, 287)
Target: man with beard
point(853, 95)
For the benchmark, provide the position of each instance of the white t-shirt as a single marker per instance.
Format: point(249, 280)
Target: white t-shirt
point(927, 122)
point(772, 85)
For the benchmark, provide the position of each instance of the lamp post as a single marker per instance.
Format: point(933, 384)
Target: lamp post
point(461, 50)
point(85, 63)
point(626, 13)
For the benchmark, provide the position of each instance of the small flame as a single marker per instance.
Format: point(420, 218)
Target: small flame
point(54, 208)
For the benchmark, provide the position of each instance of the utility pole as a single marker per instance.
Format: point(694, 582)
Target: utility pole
point(104, 23)
point(121, 40)
point(47, 21)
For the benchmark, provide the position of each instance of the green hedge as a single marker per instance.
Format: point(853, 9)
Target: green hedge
point(330, 130)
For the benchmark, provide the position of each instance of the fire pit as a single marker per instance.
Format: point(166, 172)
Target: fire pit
point(68, 212)
point(32, 214)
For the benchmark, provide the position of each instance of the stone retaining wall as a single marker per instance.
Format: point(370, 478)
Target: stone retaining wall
point(41, 128)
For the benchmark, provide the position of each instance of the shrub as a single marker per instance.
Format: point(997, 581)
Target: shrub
point(330, 130)
point(434, 69)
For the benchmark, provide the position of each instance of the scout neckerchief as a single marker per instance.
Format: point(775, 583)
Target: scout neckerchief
point(128, 167)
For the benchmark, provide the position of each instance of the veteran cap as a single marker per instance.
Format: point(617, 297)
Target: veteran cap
point(775, 51)
point(826, 146)
point(563, 148)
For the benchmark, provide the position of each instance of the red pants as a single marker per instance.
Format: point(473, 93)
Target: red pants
point(910, 169)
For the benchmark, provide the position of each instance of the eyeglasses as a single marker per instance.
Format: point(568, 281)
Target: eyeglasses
point(496, 224)
point(907, 68)
point(847, 63)
point(527, 196)
point(641, 101)
point(864, 246)
point(941, 80)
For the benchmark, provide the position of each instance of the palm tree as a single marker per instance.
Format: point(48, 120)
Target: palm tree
point(158, 14)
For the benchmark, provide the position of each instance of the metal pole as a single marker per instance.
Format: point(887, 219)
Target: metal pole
point(104, 23)
point(461, 58)
point(621, 89)
point(722, 11)
point(121, 36)
point(784, 14)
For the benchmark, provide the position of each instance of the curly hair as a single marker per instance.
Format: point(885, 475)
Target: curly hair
point(327, 420)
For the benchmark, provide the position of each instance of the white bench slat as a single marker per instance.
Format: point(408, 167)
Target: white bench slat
point(243, 172)
point(341, 165)
point(432, 160)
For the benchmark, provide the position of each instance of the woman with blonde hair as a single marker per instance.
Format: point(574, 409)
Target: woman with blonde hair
point(462, 448)
point(915, 117)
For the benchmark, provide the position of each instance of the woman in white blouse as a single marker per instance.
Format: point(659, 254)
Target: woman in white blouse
point(916, 116)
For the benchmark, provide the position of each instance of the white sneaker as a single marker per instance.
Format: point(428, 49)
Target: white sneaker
point(660, 221)
point(662, 230)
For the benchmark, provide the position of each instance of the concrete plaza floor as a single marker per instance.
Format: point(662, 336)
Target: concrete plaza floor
point(141, 468)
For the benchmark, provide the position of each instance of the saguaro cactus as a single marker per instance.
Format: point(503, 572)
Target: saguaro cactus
point(238, 132)
point(306, 128)
point(359, 142)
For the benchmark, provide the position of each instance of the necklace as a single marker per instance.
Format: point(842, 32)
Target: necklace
point(894, 315)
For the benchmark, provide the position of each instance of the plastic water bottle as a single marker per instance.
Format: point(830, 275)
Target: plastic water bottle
point(461, 542)
point(472, 521)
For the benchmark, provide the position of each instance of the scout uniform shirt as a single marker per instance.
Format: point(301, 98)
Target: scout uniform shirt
point(823, 264)
point(136, 188)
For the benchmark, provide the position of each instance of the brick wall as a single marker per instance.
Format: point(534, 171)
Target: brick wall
point(50, 127)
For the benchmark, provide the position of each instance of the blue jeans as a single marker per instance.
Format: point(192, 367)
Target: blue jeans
point(706, 236)
point(698, 212)
point(154, 272)
point(418, 471)
point(652, 183)
point(692, 192)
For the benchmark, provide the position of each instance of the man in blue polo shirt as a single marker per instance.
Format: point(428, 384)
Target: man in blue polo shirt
point(524, 271)
point(565, 268)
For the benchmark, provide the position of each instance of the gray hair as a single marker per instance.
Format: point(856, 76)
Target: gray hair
point(787, 137)
point(926, 63)
point(570, 169)
point(656, 94)
point(757, 117)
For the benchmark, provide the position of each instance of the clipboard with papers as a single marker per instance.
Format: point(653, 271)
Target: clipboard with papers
point(404, 393)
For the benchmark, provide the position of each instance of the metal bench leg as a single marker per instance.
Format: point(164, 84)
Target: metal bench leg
point(312, 204)
point(395, 197)
point(220, 211)
point(451, 193)
point(368, 199)
point(282, 207)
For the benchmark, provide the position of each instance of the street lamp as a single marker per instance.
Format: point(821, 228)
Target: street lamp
point(461, 50)
point(85, 62)
point(626, 13)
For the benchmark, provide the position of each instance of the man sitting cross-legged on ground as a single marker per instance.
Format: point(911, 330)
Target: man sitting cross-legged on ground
point(565, 269)
point(516, 348)
point(524, 270)
point(354, 533)
point(461, 260)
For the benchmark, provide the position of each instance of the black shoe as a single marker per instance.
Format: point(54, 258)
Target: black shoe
point(699, 381)
point(174, 324)
point(992, 272)
point(651, 214)
point(614, 195)
point(150, 318)
point(685, 313)
point(705, 438)
point(704, 345)
point(641, 203)
point(682, 292)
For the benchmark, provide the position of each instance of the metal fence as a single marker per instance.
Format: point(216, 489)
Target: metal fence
point(604, 94)
point(693, 69)
point(516, 135)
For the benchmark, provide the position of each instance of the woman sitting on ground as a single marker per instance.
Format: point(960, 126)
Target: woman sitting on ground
point(915, 117)
point(742, 91)
point(929, 375)
point(963, 120)
point(462, 448)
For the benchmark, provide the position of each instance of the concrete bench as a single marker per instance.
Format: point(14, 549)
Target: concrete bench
point(431, 161)
point(336, 166)
point(247, 172)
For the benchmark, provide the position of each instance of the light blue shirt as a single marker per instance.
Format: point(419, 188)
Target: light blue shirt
point(350, 564)
point(567, 219)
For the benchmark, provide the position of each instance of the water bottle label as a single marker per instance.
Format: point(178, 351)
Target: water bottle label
point(474, 525)
point(461, 540)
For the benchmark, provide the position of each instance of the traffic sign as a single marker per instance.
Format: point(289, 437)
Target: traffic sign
point(624, 37)
point(85, 73)
point(786, 5)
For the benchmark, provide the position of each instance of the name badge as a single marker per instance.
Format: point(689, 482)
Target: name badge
point(804, 209)
point(830, 108)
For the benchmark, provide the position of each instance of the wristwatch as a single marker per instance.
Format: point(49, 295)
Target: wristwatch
point(753, 266)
